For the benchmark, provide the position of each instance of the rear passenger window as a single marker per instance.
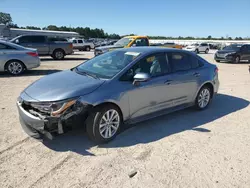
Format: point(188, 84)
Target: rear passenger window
point(80, 41)
point(74, 41)
point(179, 62)
point(194, 62)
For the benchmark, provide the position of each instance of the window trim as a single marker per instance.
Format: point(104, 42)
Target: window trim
point(152, 77)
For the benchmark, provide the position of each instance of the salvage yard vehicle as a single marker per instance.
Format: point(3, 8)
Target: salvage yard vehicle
point(233, 53)
point(45, 45)
point(16, 59)
point(124, 86)
point(82, 44)
point(131, 41)
point(197, 48)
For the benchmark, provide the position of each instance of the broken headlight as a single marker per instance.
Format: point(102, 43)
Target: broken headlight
point(53, 108)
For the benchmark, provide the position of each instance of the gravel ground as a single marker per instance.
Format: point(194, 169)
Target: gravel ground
point(184, 149)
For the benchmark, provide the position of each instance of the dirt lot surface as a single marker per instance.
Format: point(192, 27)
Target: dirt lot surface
point(184, 149)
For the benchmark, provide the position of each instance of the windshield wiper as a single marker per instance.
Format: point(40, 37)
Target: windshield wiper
point(86, 73)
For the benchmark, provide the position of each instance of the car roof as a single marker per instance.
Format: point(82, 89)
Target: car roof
point(135, 36)
point(145, 50)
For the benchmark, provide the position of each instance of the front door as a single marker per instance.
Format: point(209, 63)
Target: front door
point(37, 42)
point(152, 95)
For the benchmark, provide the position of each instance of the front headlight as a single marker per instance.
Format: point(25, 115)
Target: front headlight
point(54, 108)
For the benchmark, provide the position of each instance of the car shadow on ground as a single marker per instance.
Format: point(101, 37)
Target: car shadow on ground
point(65, 59)
point(154, 129)
point(34, 72)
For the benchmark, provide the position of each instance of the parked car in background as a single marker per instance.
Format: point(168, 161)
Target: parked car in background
point(233, 53)
point(82, 44)
point(131, 41)
point(197, 48)
point(16, 59)
point(172, 45)
point(127, 85)
point(45, 45)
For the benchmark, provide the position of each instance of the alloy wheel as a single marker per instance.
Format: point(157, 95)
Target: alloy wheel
point(204, 98)
point(15, 68)
point(109, 124)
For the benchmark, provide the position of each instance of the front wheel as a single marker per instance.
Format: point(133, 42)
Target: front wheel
point(203, 98)
point(237, 59)
point(103, 124)
point(207, 50)
point(88, 48)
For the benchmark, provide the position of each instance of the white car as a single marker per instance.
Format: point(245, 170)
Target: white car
point(197, 48)
point(82, 44)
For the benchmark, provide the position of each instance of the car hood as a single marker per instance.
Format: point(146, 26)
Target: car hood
point(107, 47)
point(225, 51)
point(62, 85)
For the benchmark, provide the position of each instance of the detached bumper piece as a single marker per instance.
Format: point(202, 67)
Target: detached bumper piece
point(38, 125)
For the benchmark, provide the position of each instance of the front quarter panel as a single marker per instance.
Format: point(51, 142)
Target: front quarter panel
point(110, 92)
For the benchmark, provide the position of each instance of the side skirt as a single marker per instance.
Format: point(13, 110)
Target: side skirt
point(158, 113)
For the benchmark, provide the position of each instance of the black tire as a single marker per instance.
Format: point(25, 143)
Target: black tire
point(15, 67)
point(196, 51)
point(198, 104)
point(207, 50)
point(58, 54)
point(87, 48)
point(94, 120)
point(237, 59)
point(217, 61)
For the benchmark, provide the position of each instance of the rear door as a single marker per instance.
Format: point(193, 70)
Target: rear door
point(184, 78)
point(37, 42)
point(245, 52)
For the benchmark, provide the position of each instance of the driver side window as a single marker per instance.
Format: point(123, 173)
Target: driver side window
point(155, 65)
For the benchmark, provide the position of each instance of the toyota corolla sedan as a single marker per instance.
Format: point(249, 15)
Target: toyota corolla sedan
point(123, 86)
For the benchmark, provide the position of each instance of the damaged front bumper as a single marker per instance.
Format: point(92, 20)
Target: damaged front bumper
point(38, 125)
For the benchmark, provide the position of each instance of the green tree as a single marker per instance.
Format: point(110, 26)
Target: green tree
point(5, 18)
point(33, 27)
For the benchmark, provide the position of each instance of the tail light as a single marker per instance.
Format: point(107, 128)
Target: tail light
point(71, 45)
point(33, 54)
point(216, 70)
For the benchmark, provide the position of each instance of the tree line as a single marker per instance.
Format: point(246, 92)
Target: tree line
point(87, 32)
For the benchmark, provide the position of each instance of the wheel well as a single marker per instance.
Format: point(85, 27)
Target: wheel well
point(110, 103)
point(211, 87)
point(59, 49)
point(5, 65)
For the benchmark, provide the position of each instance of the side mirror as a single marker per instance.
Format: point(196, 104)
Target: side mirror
point(141, 77)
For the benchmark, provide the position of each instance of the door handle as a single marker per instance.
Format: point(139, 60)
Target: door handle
point(168, 82)
point(196, 74)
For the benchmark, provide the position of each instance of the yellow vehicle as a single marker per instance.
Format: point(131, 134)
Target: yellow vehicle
point(130, 41)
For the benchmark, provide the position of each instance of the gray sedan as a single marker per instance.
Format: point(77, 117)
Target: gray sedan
point(123, 86)
point(15, 59)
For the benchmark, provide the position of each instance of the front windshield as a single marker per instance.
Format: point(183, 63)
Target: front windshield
point(107, 65)
point(232, 47)
point(123, 42)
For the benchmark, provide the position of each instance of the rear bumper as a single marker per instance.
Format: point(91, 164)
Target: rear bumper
point(33, 63)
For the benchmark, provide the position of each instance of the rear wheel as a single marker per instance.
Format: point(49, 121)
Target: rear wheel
point(203, 98)
point(207, 50)
point(104, 123)
point(58, 54)
point(217, 61)
point(15, 67)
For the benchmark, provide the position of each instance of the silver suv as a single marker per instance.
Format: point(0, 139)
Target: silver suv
point(197, 48)
point(123, 86)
